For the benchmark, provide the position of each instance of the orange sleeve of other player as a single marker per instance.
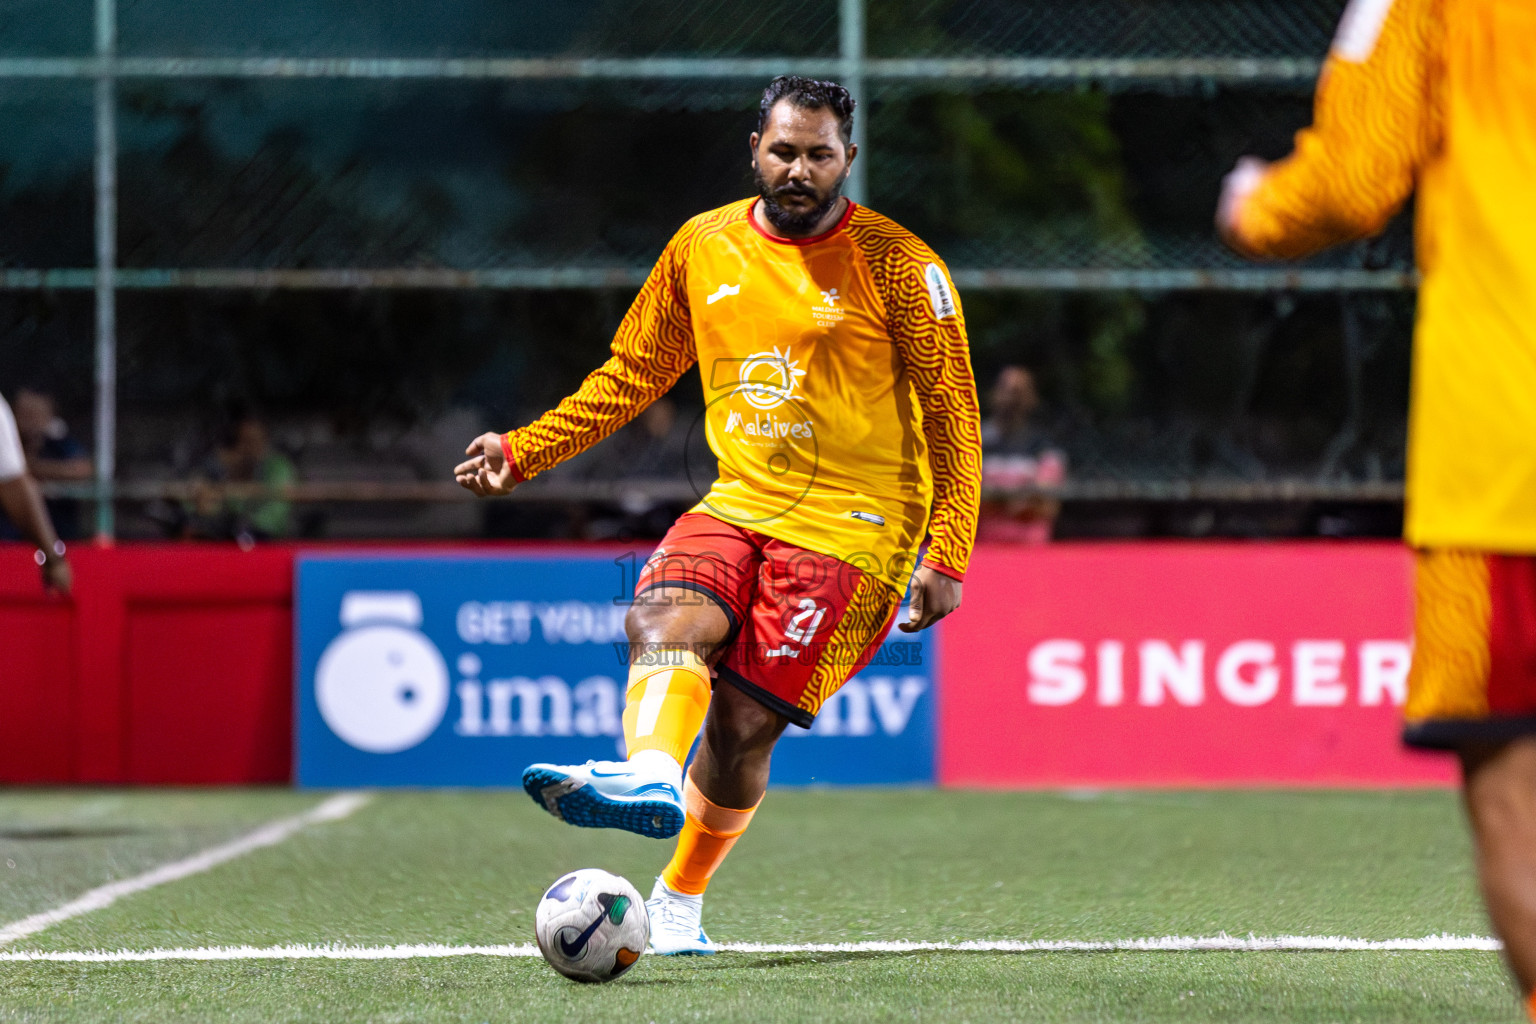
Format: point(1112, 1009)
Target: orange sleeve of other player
point(1375, 119)
point(652, 349)
point(927, 327)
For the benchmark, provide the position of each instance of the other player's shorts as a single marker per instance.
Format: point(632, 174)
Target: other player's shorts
point(1474, 651)
point(801, 622)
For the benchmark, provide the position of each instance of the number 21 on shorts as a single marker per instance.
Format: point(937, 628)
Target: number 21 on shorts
point(804, 623)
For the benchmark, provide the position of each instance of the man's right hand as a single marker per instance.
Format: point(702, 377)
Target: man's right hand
point(487, 471)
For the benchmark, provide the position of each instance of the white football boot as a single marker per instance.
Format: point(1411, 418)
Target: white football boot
point(675, 927)
point(643, 794)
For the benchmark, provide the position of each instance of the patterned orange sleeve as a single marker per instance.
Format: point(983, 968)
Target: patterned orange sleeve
point(928, 329)
point(652, 349)
point(1375, 119)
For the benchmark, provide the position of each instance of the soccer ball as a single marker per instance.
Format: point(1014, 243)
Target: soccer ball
point(592, 926)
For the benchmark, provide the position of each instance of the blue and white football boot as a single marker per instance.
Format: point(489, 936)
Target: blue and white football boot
point(675, 927)
point(643, 795)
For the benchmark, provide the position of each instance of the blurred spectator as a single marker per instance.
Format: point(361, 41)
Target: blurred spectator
point(245, 456)
point(652, 448)
point(52, 454)
point(23, 506)
point(1015, 454)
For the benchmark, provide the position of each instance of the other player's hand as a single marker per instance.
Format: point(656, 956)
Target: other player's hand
point(486, 472)
point(1236, 187)
point(58, 578)
point(934, 595)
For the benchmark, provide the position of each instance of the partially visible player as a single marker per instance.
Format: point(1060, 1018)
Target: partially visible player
point(1440, 96)
point(22, 503)
point(842, 408)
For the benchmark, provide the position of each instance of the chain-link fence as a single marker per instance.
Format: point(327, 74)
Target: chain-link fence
point(380, 228)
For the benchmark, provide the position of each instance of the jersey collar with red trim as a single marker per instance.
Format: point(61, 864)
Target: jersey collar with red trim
point(842, 222)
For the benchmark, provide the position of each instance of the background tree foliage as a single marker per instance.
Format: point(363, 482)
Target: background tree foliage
point(304, 174)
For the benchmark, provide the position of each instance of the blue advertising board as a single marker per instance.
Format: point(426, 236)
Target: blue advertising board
point(449, 670)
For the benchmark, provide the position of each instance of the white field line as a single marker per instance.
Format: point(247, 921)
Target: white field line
point(1166, 944)
point(270, 834)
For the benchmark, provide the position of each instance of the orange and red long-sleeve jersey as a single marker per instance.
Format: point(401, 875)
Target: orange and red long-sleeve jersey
point(838, 392)
point(1437, 96)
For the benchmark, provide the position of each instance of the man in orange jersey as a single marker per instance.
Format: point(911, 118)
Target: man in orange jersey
point(1440, 95)
point(841, 406)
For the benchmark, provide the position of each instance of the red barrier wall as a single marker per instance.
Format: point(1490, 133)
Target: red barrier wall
point(1174, 664)
point(1070, 665)
point(171, 664)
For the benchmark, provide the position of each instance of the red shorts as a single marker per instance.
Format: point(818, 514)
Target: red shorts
point(801, 622)
point(1473, 677)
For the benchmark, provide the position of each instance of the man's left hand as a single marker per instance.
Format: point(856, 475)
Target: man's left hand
point(934, 595)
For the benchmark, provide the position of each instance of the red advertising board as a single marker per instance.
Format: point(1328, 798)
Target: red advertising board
point(1175, 664)
point(1076, 665)
point(169, 664)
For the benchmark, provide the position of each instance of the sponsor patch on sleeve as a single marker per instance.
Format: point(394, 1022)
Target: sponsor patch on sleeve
point(938, 292)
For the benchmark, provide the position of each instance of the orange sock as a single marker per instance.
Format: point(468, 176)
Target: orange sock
point(1530, 1005)
point(709, 832)
point(665, 704)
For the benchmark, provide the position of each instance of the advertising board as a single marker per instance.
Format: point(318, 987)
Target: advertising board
point(1174, 664)
point(453, 670)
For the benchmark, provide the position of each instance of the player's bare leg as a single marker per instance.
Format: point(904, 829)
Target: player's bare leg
point(731, 767)
point(672, 631)
point(1499, 784)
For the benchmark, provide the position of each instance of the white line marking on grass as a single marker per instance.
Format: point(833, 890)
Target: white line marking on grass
point(1166, 944)
point(270, 834)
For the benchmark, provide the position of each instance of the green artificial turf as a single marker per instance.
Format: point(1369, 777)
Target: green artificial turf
point(817, 866)
point(56, 844)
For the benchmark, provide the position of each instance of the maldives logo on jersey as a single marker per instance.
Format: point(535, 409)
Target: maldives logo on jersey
point(763, 425)
point(768, 378)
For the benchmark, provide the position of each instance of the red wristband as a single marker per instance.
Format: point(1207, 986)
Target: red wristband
point(506, 451)
point(945, 570)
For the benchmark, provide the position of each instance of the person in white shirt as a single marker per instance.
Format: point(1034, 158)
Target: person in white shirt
point(22, 503)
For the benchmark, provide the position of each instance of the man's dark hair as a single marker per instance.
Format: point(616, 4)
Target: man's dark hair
point(809, 94)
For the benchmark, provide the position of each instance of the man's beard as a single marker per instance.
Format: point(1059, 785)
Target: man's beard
point(787, 221)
